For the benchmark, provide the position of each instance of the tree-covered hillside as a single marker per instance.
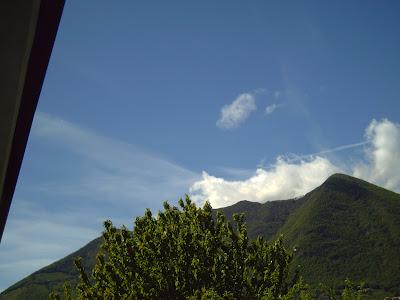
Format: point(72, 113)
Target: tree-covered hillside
point(344, 228)
point(347, 228)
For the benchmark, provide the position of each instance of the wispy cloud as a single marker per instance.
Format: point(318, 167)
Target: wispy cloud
point(277, 94)
point(260, 91)
point(112, 169)
point(295, 157)
point(293, 177)
point(271, 108)
point(118, 180)
point(84, 178)
point(236, 113)
point(235, 173)
point(35, 237)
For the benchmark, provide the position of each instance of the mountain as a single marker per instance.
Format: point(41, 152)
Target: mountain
point(52, 277)
point(263, 219)
point(345, 228)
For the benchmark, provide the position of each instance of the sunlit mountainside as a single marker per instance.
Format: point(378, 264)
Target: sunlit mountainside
point(345, 228)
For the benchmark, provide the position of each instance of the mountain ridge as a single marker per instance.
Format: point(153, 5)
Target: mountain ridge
point(346, 227)
point(353, 227)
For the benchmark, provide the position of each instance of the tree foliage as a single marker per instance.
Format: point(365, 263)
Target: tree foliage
point(351, 291)
point(187, 253)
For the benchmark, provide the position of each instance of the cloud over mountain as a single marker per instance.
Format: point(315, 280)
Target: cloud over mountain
point(292, 178)
point(382, 163)
point(283, 181)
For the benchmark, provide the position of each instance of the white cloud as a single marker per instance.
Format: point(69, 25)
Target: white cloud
point(111, 169)
point(382, 156)
point(289, 178)
point(293, 157)
point(234, 114)
point(53, 215)
point(271, 108)
point(283, 181)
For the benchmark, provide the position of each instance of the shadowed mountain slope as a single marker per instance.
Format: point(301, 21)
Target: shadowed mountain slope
point(263, 219)
point(346, 228)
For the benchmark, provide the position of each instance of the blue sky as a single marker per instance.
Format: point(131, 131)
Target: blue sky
point(226, 100)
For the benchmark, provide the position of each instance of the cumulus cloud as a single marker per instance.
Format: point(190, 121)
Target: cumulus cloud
point(283, 181)
point(111, 171)
point(289, 178)
point(234, 114)
point(382, 163)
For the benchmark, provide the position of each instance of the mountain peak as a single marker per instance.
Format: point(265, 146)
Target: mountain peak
point(347, 184)
point(346, 180)
point(341, 176)
point(347, 227)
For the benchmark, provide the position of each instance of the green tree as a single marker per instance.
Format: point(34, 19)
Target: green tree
point(186, 253)
point(351, 291)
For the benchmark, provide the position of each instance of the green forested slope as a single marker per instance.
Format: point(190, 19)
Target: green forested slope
point(344, 228)
point(347, 228)
point(264, 219)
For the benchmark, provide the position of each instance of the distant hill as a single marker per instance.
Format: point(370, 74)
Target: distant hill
point(39, 284)
point(346, 228)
